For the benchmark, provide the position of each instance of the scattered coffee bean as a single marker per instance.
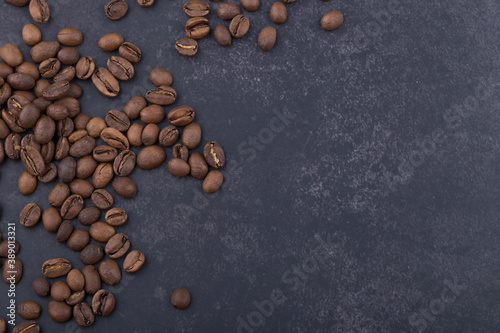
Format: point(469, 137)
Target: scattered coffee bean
point(75, 279)
point(51, 219)
point(152, 114)
point(191, 136)
point(44, 50)
point(214, 154)
point(31, 34)
point(160, 77)
point(41, 286)
point(227, 10)
point(105, 82)
point(197, 27)
point(59, 312)
point(195, 8)
point(115, 138)
point(239, 26)
point(110, 42)
point(85, 67)
point(213, 181)
point(181, 115)
point(250, 5)
point(60, 291)
point(278, 12)
point(70, 37)
point(72, 206)
point(82, 188)
point(134, 106)
point(12, 271)
point(85, 167)
point(180, 151)
point(89, 215)
point(104, 153)
point(222, 35)
point(83, 314)
point(101, 232)
point(124, 187)
point(117, 246)
point(198, 165)
point(145, 3)
point(92, 254)
point(163, 95)
point(116, 9)
point(28, 326)
point(29, 310)
point(26, 182)
point(95, 126)
point(103, 174)
point(64, 232)
point(267, 38)
point(78, 240)
point(68, 55)
point(181, 298)
point(124, 163)
point(39, 11)
point(133, 261)
point(102, 199)
point(76, 298)
point(11, 54)
point(130, 51)
point(103, 303)
point(92, 279)
point(151, 157)
point(186, 46)
point(110, 272)
point(30, 215)
point(168, 135)
point(332, 20)
point(121, 68)
point(116, 216)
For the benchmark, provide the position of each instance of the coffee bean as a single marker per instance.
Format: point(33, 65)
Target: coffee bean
point(160, 77)
point(29, 140)
point(134, 261)
point(152, 114)
point(110, 272)
point(110, 42)
point(29, 310)
point(75, 279)
point(33, 160)
point(104, 153)
point(118, 120)
point(181, 115)
point(31, 34)
point(168, 135)
point(68, 55)
point(197, 27)
point(163, 95)
point(124, 163)
point(44, 130)
point(178, 167)
point(5, 69)
point(62, 148)
point(13, 146)
point(89, 215)
point(150, 134)
point(102, 175)
point(42, 103)
point(26, 182)
point(267, 38)
point(57, 90)
point(198, 165)
point(181, 298)
point(332, 20)
point(60, 291)
point(227, 10)
point(85, 67)
point(57, 112)
point(76, 298)
point(29, 326)
point(65, 230)
point(117, 246)
point(59, 312)
point(134, 106)
point(121, 68)
point(116, 9)
point(239, 26)
point(72, 104)
point(4, 130)
point(186, 46)
point(65, 127)
point(124, 187)
point(11, 54)
point(81, 121)
point(58, 194)
point(28, 68)
point(92, 279)
point(70, 37)
point(12, 271)
point(222, 35)
point(102, 199)
point(41, 286)
point(44, 50)
point(195, 8)
point(78, 240)
point(82, 188)
point(103, 303)
point(95, 126)
point(51, 219)
point(101, 232)
point(30, 215)
point(83, 314)
point(214, 154)
point(105, 82)
point(213, 181)
point(85, 167)
point(116, 216)
point(5, 246)
point(21, 81)
point(115, 138)
point(180, 151)
point(72, 206)
point(40, 86)
point(191, 136)
point(49, 175)
point(56, 267)
point(130, 52)
point(92, 254)
point(151, 157)
point(278, 12)
point(39, 11)
point(250, 5)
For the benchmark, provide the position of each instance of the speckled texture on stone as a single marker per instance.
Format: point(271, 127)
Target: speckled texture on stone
point(385, 202)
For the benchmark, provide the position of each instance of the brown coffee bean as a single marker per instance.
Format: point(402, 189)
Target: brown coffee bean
point(116, 216)
point(103, 303)
point(187, 47)
point(65, 230)
point(29, 116)
point(239, 26)
point(42, 103)
point(59, 312)
point(18, 3)
point(39, 11)
point(95, 126)
point(124, 163)
point(70, 37)
point(41, 286)
point(83, 314)
point(13, 146)
point(110, 42)
point(29, 310)
point(197, 27)
point(28, 68)
point(85, 167)
point(58, 194)
point(117, 246)
point(28, 326)
point(102, 199)
point(152, 114)
point(124, 187)
point(332, 20)
point(78, 240)
point(151, 157)
point(101, 232)
point(105, 82)
point(121, 68)
point(81, 187)
point(11, 54)
point(85, 67)
point(49, 175)
point(102, 175)
point(227, 10)
point(181, 298)
point(160, 77)
point(57, 90)
point(92, 279)
point(278, 12)
point(168, 135)
point(110, 272)
point(30, 215)
point(214, 154)
point(191, 136)
point(178, 167)
point(196, 8)
point(60, 291)
point(40, 86)
point(134, 106)
point(72, 206)
point(12, 271)
point(250, 5)
point(213, 181)
point(5, 69)
point(92, 254)
point(81, 121)
point(118, 120)
point(33, 160)
point(115, 138)
point(76, 298)
point(26, 182)
point(68, 55)
point(116, 9)
point(75, 279)
point(57, 112)
point(20, 81)
point(180, 151)
point(130, 52)
point(49, 67)
point(104, 153)
point(222, 35)
point(29, 140)
point(56, 267)
point(31, 34)
point(51, 219)
point(4, 248)
point(89, 215)
point(198, 165)
point(163, 95)
point(134, 261)
point(44, 50)
point(267, 38)
point(181, 115)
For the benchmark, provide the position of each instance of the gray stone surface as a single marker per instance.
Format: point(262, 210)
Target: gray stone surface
point(374, 210)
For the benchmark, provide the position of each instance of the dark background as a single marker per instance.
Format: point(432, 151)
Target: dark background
point(338, 179)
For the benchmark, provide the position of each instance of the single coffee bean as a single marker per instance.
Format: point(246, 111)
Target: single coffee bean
point(33, 160)
point(26, 182)
point(72, 206)
point(163, 95)
point(104, 153)
point(5, 69)
point(65, 127)
point(150, 134)
point(95, 126)
point(124, 163)
point(31, 34)
point(116, 9)
point(62, 148)
point(44, 129)
point(68, 55)
point(44, 50)
point(57, 112)
point(30, 215)
point(213, 181)
point(103, 174)
point(197, 27)
point(12, 271)
point(116, 216)
point(89, 215)
point(85, 67)
point(267, 38)
point(28, 68)
point(186, 46)
point(66, 169)
point(4, 248)
point(121, 68)
point(133, 261)
point(105, 82)
point(21, 81)
point(191, 136)
point(65, 230)
point(39, 11)
point(115, 138)
point(16, 103)
point(75, 279)
point(181, 298)
point(195, 8)
point(239, 26)
point(18, 3)
point(118, 120)
point(103, 303)
point(85, 167)
point(151, 157)
point(57, 90)
point(29, 326)
point(130, 52)
point(134, 106)
point(117, 246)
point(41, 286)
point(110, 42)
point(214, 154)
point(60, 291)
point(110, 272)
point(227, 10)
point(81, 121)
point(29, 140)
point(92, 279)
point(51, 219)
point(81, 187)
point(168, 135)
point(83, 314)
point(160, 77)
point(181, 115)
point(101, 232)
point(198, 165)
point(70, 37)
point(102, 199)
point(180, 151)
point(29, 310)
point(78, 240)
point(11, 54)
point(152, 114)
point(222, 35)
point(56, 267)
point(250, 5)
point(278, 12)
point(49, 67)
point(76, 297)
point(332, 20)
point(58, 194)
point(178, 167)
point(49, 175)
point(13, 146)
point(72, 104)
point(92, 254)
point(59, 312)
point(124, 187)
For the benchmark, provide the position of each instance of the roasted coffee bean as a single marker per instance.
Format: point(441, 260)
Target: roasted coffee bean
point(49, 67)
point(117, 246)
point(103, 303)
point(104, 153)
point(101, 232)
point(26, 182)
point(95, 126)
point(65, 230)
point(85, 167)
point(16, 103)
point(191, 136)
point(57, 90)
point(85, 67)
point(116, 216)
point(58, 194)
point(62, 148)
point(186, 46)
point(124, 187)
point(124, 163)
point(181, 115)
point(72, 206)
point(196, 8)
point(213, 181)
point(151, 157)
point(30, 215)
point(65, 127)
point(250, 5)
point(13, 146)
point(29, 326)
point(29, 310)
point(160, 77)
point(332, 20)
point(163, 95)
point(75, 279)
point(168, 135)
point(5, 69)
point(181, 298)
point(116, 9)
point(83, 314)
point(180, 151)
point(51, 219)
point(214, 154)
point(4, 130)
point(92, 279)
point(49, 175)
point(178, 167)
point(44, 50)
point(278, 12)
point(118, 120)
point(222, 35)
point(57, 112)
point(110, 272)
point(92, 254)
point(130, 52)
point(12, 271)
point(152, 114)
point(227, 10)
point(102, 175)
point(59, 312)
point(102, 199)
point(267, 38)
point(239, 26)
point(81, 187)
point(133, 261)
point(56, 267)
point(31, 34)
point(68, 55)
point(89, 215)
point(105, 82)
point(72, 104)
point(39, 11)
point(28, 68)
point(66, 169)
point(21, 81)
point(198, 165)
point(115, 138)
point(60, 291)
point(110, 42)
point(150, 134)
point(81, 121)
point(70, 37)
point(78, 240)
point(121, 68)
point(197, 27)
point(11, 54)
point(134, 106)
point(41, 286)
point(40, 86)
point(76, 298)
point(18, 3)
point(4, 248)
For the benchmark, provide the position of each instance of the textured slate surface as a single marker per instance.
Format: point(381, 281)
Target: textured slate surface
point(373, 207)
